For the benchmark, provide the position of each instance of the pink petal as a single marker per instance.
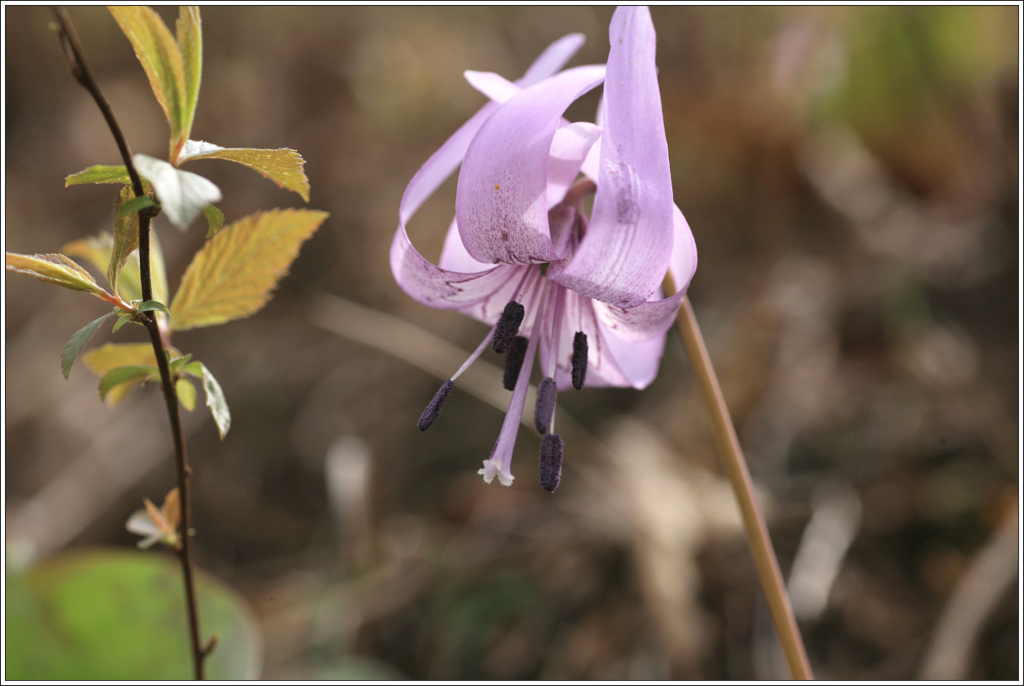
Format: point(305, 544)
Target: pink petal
point(623, 258)
point(501, 202)
point(417, 276)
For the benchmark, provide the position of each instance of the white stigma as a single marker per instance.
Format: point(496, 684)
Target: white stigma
point(492, 468)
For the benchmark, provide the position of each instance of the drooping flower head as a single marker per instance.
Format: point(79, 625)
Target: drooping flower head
point(581, 293)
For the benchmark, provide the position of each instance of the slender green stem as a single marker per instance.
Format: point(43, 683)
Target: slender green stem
point(736, 467)
point(80, 70)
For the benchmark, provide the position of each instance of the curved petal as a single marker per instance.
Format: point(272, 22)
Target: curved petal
point(623, 258)
point(655, 317)
point(454, 256)
point(501, 202)
point(444, 288)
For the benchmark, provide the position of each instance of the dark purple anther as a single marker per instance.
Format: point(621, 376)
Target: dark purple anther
point(514, 361)
point(434, 407)
point(544, 412)
point(508, 326)
point(579, 360)
point(551, 462)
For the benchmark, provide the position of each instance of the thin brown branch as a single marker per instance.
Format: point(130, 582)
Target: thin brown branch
point(82, 74)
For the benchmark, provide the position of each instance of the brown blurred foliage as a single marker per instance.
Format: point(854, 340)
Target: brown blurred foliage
point(851, 178)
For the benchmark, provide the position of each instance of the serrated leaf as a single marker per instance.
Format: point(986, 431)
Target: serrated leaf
point(151, 305)
point(233, 275)
point(217, 403)
point(134, 205)
point(100, 173)
point(97, 250)
point(130, 374)
point(186, 394)
point(190, 44)
point(110, 355)
point(78, 341)
point(215, 218)
point(56, 269)
point(126, 233)
point(94, 249)
point(282, 166)
point(182, 194)
point(158, 52)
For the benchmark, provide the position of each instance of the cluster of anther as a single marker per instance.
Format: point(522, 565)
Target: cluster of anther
point(505, 339)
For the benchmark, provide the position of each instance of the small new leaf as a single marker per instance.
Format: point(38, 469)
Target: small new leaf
point(215, 218)
point(110, 355)
point(100, 174)
point(120, 375)
point(126, 233)
point(186, 393)
point(216, 402)
point(57, 269)
point(233, 275)
point(122, 320)
point(135, 204)
point(182, 194)
point(160, 56)
point(283, 166)
point(78, 341)
point(151, 305)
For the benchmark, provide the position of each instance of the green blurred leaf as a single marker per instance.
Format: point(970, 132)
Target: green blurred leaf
point(120, 615)
point(100, 174)
point(282, 166)
point(190, 44)
point(217, 403)
point(135, 204)
point(158, 52)
point(151, 305)
point(157, 270)
point(78, 341)
point(233, 275)
point(126, 232)
point(177, 363)
point(130, 374)
point(215, 218)
point(97, 251)
point(121, 321)
point(186, 394)
point(182, 194)
point(106, 357)
point(56, 269)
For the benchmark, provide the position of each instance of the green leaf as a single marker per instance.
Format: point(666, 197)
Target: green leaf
point(134, 205)
point(190, 44)
point(120, 375)
point(56, 269)
point(126, 233)
point(182, 194)
point(151, 305)
point(283, 166)
point(157, 270)
point(119, 616)
point(233, 275)
point(194, 369)
point(215, 218)
point(186, 394)
point(122, 320)
point(217, 403)
point(100, 174)
point(177, 363)
point(78, 341)
point(106, 357)
point(160, 57)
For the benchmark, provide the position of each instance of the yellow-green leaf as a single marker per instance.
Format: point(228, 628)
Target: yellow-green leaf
point(94, 249)
point(158, 52)
point(57, 269)
point(131, 375)
point(99, 174)
point(190, 44)
point(234, 273)
point(111, 355)
point(214, 220)
point(126, 235)
point(186, 394)
point(78, 341)
point(283, 166)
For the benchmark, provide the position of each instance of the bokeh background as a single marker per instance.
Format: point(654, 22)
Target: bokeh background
point(851, 178)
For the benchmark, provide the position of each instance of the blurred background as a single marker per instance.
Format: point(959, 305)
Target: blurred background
point(851, 179)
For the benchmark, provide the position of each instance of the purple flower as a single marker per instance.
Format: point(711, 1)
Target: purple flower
point(582, 293)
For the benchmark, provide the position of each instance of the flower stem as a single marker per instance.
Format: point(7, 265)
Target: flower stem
point(753, 520)
point(79, 69)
